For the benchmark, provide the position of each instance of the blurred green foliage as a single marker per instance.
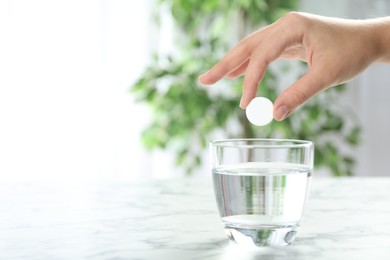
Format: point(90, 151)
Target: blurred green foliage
point(186, 115)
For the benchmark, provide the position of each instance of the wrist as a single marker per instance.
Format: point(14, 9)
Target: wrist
point(381, 35)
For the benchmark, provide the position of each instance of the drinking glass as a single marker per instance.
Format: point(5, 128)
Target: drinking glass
point(261, 188)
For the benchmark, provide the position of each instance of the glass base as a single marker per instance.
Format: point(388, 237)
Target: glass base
point(264, 236)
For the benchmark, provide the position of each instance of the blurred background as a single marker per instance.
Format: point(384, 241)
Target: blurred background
point(86, 86)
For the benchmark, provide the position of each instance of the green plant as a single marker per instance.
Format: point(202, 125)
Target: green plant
point(185, 115)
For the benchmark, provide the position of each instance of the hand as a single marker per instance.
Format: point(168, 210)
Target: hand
point(335, 50)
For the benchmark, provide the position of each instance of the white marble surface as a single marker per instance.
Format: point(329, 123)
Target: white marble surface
point(346, 218)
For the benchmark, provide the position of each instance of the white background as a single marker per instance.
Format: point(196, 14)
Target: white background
point(65, 71)
point(65, 107)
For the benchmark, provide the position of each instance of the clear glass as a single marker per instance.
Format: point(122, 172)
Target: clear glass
point(261, 188)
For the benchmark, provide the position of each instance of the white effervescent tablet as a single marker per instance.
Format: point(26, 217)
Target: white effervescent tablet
point(260, 111)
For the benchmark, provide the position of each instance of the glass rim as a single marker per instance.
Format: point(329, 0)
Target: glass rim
point(278, 143)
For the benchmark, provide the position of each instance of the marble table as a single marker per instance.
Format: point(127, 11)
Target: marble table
point(346, 218)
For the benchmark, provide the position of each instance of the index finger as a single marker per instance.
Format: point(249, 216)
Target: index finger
point(234, 57)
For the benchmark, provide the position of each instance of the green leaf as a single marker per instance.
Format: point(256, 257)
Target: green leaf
point(180, 157)
point(353, 137)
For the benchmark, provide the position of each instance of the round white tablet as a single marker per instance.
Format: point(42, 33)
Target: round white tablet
point(260, 111)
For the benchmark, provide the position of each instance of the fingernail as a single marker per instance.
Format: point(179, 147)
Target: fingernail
point(241, 101)
point(281, 113)
point(204, 74)
point(201, 79)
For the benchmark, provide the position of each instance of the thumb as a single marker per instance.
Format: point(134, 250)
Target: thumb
point(296, 95)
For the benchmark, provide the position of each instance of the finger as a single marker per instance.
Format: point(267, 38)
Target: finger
point(253, 76)
point(297, 94)
point(269, 50)
point(236, 56)
point(238, 71)
point(233, 59)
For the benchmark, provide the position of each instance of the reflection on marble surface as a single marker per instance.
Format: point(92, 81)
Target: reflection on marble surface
point(346, 218)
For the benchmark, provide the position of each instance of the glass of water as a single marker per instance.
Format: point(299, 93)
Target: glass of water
point(261, 187)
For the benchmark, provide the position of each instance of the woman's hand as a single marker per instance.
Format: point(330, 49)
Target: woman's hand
point(335, 50)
